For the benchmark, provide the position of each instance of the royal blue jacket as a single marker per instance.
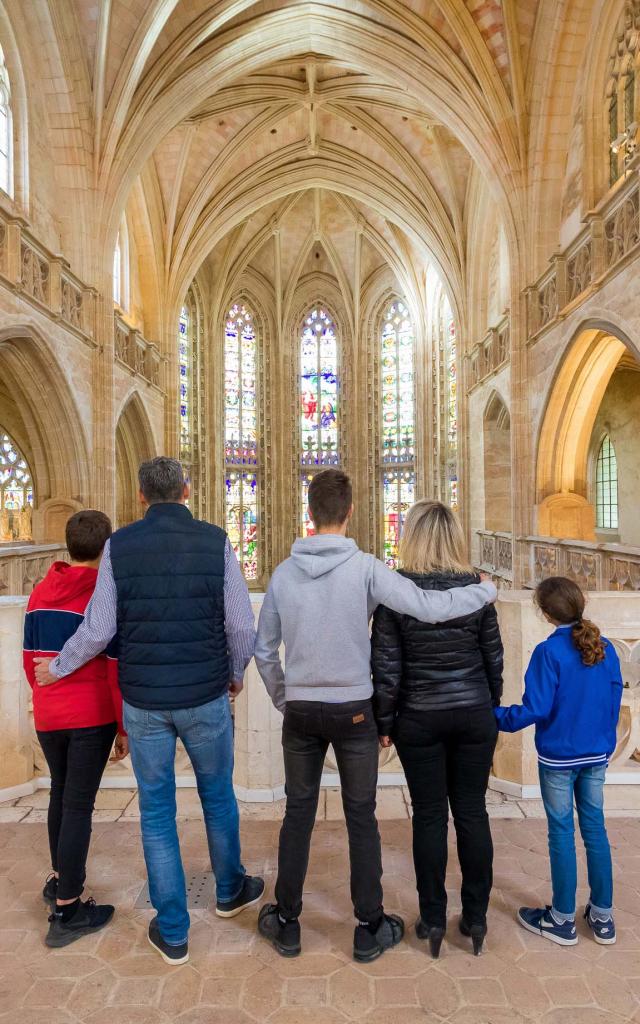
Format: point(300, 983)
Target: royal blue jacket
point(573, 706)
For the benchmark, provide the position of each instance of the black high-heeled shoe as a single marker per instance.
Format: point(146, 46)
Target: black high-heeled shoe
point(476, 932)
point(431, 933)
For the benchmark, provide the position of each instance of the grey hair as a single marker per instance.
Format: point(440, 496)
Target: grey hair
point(161, 479)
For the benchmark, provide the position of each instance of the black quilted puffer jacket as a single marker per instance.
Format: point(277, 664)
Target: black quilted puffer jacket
point(435, 666)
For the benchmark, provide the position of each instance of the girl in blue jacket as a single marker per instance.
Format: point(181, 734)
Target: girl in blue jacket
point(573, 689)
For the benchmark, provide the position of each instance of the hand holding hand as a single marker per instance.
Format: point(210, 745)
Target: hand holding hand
point(384, 741)
point(235, 687)
point(120, 748)
point(43, 675)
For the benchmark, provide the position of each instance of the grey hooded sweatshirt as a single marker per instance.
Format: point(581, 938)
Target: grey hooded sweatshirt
point(319, 602)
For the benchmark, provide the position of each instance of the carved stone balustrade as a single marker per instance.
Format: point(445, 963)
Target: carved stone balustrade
point(45, 279)
point(24, 565)
point(140, 356)
point(489, 355)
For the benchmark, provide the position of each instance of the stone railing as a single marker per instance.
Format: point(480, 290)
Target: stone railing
point(592, 565)
point(612, 233)
point(140, 356)
point(490, 354)
point(24, 565)
point(45, 279)
point(496, 556)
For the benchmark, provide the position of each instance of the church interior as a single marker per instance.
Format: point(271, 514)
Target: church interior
point(400, 237)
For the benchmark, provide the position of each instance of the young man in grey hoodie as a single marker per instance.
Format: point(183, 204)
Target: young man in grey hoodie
point(319, 602)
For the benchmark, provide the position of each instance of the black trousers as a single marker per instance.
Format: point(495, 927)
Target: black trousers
point(76, 759)
point(446, 756)
point(309, 727)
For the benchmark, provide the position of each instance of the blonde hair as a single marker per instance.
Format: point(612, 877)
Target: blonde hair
point(432, 540)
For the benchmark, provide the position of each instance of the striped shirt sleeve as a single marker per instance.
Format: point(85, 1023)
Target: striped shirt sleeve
point(239, 621)
point(98, 627)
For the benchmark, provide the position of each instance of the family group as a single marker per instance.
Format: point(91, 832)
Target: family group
point(143, 638)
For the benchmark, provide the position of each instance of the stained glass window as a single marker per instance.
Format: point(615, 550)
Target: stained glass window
point(452, 413)
point(241, 438)
point(16, 492)
point(607, 486)
point(319, 414)
point(398, 477)
point(184, 370)
point(6, 129)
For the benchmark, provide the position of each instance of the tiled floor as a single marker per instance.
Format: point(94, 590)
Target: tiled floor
point(235, 978)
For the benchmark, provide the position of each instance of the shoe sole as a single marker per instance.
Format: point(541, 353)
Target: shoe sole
point(58, 942)
point(238, 910)
point(603, 942)
point(172, 961)
point(547, 935)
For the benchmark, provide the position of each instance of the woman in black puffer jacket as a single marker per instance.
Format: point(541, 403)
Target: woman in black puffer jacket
point(435, 687)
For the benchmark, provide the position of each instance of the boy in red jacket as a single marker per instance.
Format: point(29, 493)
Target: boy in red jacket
point(76, 720)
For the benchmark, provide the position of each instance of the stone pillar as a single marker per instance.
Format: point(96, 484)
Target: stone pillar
point(259, 769)
point(16, 757)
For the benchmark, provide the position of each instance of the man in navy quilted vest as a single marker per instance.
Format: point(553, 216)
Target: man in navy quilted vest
point(171, 589)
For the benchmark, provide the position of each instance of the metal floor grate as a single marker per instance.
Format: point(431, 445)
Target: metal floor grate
point(201, 893)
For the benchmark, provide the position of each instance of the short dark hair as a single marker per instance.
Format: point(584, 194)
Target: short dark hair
point(86, 534)
point(161, 479)
point(330, 497)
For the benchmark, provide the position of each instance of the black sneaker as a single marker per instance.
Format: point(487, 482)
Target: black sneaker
point(50, 892)
point(368, 946)
point(283, 935)
point(251, 892)
point(88, 918)
point(173, 955)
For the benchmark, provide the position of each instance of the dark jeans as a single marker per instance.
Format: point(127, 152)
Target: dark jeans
point(76, 759)
point(309, 727)
point(446, 755)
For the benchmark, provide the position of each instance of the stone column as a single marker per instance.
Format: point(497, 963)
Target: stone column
point(16, 756)
point(259, 769)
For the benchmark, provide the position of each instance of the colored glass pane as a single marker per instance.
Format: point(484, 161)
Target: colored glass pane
point(184, 371)
point(397, 384)
point(241, 437)
point(319, 408)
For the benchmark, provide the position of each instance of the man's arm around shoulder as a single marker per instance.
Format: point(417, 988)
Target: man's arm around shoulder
point(403, 596)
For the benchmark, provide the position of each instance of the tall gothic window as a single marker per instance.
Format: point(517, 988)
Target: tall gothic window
point(452, 413)
point(319, 412)
point(117, 272)
point(398, 444)
point(184, 371)
point(241, 438)
point(6, 130)
point(606, 486)
point(16, 492)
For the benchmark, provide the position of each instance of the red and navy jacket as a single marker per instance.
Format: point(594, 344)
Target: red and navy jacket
point(91, 695)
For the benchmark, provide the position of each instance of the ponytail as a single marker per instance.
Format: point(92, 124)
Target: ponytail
point(562, 601)
point(586, 636)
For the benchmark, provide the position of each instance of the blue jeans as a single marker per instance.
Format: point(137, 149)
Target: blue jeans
point(207, 734)
point(558, 791)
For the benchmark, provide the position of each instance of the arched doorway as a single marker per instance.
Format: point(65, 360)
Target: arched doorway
point(38, 412)
point(134, 444)
point(497, 465)
point(596, 383)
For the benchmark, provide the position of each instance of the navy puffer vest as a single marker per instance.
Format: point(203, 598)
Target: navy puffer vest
point(169, 575)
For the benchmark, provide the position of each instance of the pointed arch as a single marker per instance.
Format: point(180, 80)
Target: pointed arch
point(134, 444)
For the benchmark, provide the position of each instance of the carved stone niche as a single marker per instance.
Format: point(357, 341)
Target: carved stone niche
point(50, 519)
point(566, 516)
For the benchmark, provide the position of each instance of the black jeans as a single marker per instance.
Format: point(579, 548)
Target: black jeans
point(76, 759)
point(309, 727)
point(446, 755)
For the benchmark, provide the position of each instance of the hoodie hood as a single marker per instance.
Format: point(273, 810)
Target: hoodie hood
point(320, 554)
point(64, 583)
